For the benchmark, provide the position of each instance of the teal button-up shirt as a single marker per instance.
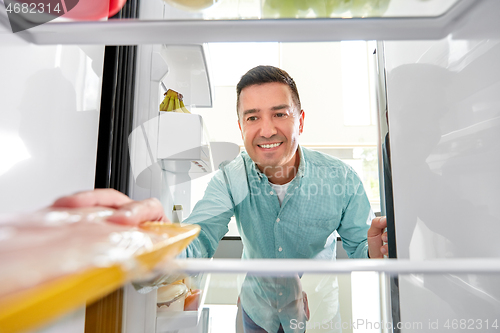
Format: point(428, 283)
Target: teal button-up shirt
point(325, 195)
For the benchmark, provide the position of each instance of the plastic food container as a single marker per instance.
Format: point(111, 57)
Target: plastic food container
point(171, 297)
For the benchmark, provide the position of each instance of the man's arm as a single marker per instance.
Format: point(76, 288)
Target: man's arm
point(356, 218)
point(212, 214)
point(362, 235)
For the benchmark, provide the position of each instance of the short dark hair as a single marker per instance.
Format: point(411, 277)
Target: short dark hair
point(266, 74)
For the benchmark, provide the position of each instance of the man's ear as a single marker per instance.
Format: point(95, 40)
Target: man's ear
point(301, 121)
point(239, 125)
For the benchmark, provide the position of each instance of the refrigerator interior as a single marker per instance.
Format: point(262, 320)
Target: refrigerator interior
point(440, 80)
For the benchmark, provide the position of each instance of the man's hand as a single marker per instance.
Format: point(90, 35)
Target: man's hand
point(377, 237)
point(126, 210)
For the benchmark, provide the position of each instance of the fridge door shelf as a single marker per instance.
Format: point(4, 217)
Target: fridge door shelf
point(175, 142)
point(188, 31)
point(182, 143)
point(175, 320)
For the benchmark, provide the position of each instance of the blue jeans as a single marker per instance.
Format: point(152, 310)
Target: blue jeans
point(249, 326)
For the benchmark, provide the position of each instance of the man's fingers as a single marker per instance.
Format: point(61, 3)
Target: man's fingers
point(384, 249)
point(380, 222)
point(377, 227)
point(104, 197)
point(127, 211)
point(136, 212)
point(375, 236)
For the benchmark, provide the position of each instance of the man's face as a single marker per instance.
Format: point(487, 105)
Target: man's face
point(270, 124)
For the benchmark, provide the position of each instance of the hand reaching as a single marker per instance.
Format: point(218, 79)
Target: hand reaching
point(126, 210)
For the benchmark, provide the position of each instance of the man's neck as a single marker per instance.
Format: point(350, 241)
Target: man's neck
point(283, 174)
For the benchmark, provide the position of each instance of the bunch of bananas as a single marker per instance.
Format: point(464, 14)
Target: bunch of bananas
point(173, 102)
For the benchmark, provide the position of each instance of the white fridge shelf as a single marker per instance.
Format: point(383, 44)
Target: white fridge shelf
point(288, 267)
point(183, 144)
point(137, 32)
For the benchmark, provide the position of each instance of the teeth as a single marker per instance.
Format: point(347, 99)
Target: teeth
point(271, 146)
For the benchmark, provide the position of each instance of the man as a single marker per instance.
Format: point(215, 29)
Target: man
point(276, 181)
point(287, 200)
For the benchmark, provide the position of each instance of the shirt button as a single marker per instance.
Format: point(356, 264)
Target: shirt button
point(279, 310)
point(280, 249)
point(281, 294)
point(278, 219)
point(271, 193)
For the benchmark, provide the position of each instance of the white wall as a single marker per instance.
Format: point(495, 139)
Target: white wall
point(317, 71)
point(444, 124)
point(322, 72)
point(49, 102)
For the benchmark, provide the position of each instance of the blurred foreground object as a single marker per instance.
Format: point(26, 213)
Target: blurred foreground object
point(323, 8)
point(55, 260)
point(192, 5)
point(91, 10)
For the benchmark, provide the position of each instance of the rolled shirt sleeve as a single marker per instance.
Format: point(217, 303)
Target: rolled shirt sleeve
point(356, 218)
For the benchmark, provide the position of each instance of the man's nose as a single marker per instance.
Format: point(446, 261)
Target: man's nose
point(268, 129)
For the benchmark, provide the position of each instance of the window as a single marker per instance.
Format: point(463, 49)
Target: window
point(337, 93)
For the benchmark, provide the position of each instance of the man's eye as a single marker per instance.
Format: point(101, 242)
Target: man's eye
point(280, 115)
point(252, 118)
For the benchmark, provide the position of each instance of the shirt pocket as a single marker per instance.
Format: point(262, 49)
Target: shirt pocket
point(313, 234)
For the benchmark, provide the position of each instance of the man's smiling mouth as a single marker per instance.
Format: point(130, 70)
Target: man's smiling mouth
point(272, 145)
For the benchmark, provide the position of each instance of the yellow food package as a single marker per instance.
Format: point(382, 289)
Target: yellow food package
point(54, 261)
